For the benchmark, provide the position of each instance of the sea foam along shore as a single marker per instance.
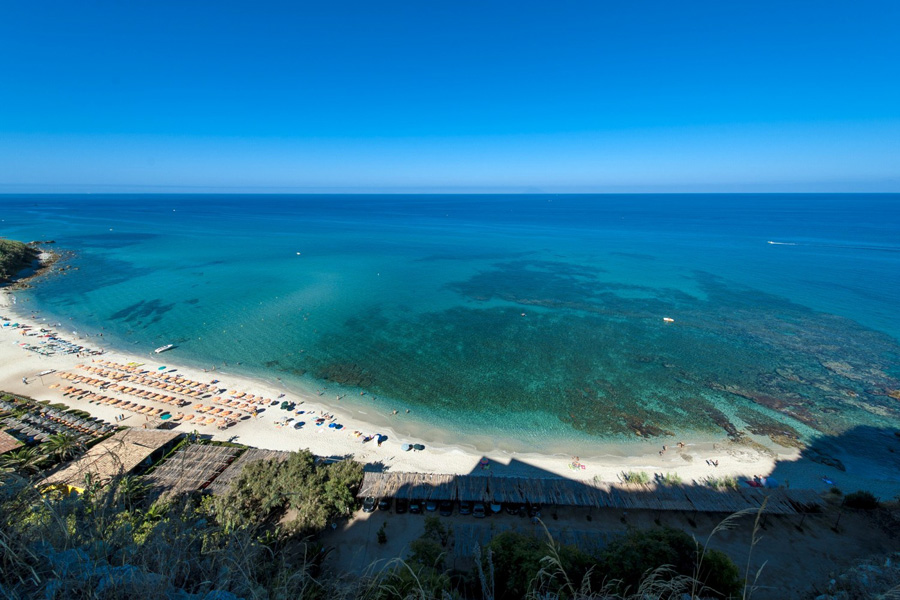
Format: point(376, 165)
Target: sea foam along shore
point(691, 463)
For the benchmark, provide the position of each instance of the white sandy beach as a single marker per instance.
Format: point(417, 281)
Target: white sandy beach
point(690, 462)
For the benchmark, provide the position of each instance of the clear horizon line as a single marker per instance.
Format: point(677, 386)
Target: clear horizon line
point(89, 189)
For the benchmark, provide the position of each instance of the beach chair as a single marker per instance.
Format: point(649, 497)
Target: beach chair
point(188, 417)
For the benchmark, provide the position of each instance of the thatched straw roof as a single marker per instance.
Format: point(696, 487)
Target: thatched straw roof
point(117, 455)
point(567, 492)
point(8, 442)
point(190, 469)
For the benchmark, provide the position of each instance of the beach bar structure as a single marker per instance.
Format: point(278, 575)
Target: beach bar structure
point(191, 468)
point(127, 451)
point(221, 483)
point(566, 492)
point(419, 486)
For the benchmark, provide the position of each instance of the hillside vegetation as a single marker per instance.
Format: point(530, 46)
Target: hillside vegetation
point(14, 256)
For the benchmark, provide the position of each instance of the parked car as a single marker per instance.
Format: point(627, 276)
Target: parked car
point(478, 510)
point(402, 506)
point(384, 504)
point(534, 510)
point(369, 504)
point(446, 508)
point(415, 506)
point(514, 508)
point(431, 506)
point(465, 507)
point(496, 507)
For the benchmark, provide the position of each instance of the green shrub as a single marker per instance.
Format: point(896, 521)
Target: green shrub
point(862, 499)
point(637, 477)
point(296, 493)
point(671, 479)
point(631, 557)
point(518, 558)
point(722, 483)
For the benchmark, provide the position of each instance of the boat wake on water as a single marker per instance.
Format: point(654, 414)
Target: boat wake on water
point(845, 246)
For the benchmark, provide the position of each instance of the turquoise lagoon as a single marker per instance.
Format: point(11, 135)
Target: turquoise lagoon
point(524, 322)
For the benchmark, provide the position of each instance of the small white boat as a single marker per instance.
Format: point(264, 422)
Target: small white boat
point(164, 348)
point(668, 319)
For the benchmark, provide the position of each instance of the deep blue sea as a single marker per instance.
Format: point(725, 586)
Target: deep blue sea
point(529, 320)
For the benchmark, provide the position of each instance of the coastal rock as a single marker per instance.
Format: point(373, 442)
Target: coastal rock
point(645, 429)
point(349, 374)
point(820, 457)
point(720, 419)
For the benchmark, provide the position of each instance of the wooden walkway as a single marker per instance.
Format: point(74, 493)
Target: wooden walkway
point(566, 492)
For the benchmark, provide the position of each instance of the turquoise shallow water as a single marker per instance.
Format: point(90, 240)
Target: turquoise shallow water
point(532, 319)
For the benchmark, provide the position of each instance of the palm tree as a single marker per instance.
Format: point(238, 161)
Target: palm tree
point(25, 460)
point(63, 446)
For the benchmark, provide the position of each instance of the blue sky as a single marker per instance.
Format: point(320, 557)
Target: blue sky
point(450, 96)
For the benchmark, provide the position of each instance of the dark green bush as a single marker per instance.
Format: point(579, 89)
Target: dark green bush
point(296, 493)
point(635, 554)
point(862, 499)
point(517, 559)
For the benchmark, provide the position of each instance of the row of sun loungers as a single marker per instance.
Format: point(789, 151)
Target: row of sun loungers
point(147, 380)
point(167, 378)
point(111, 375)
point(114, 402)
point(108, 385)
point(182, 384)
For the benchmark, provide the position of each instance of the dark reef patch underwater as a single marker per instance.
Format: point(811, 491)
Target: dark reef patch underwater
point(549, 337)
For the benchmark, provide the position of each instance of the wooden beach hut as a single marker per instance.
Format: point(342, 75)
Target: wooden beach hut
point(127, 451)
